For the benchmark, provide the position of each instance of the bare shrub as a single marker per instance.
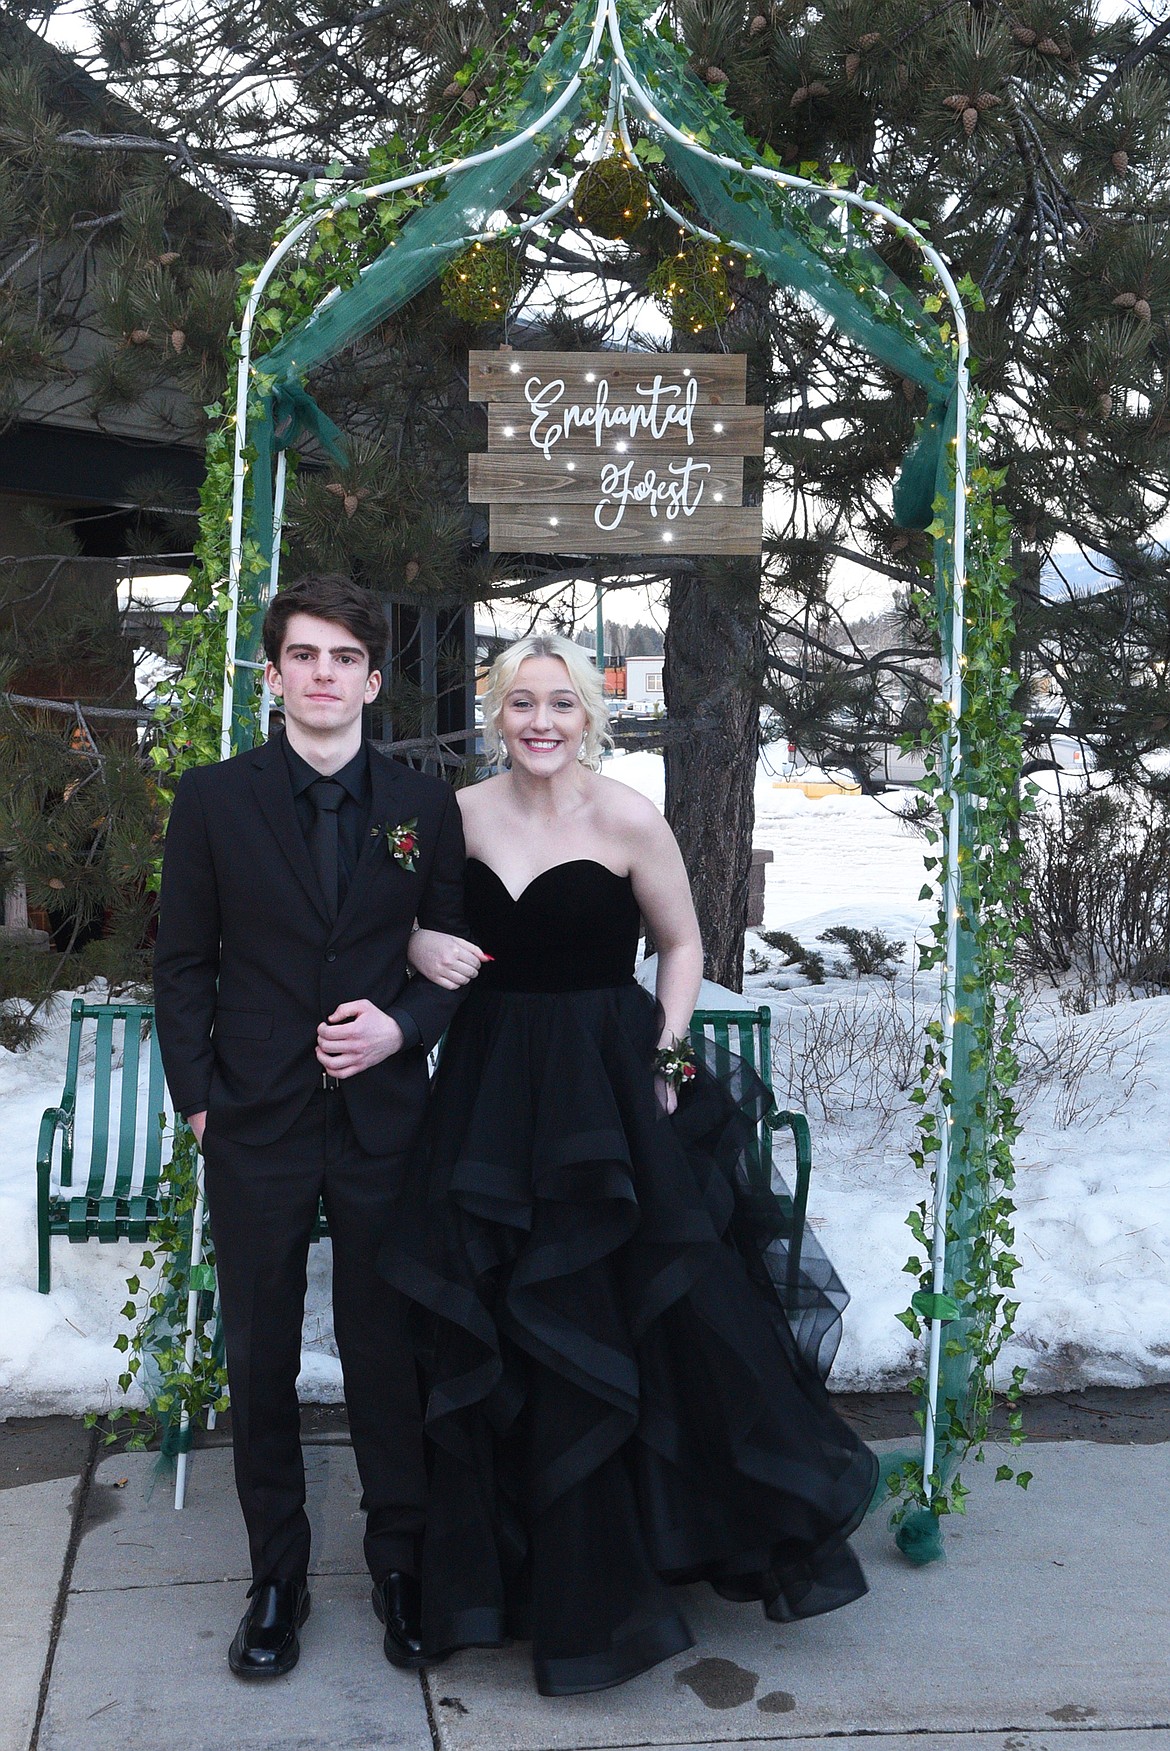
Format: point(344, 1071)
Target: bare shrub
point(856, 1053)
point(1090, 1071)
point(1096, 894)
point(861, 1054)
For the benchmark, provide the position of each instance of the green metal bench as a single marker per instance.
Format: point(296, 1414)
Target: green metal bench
point(118, 1197)
point(747, 1034)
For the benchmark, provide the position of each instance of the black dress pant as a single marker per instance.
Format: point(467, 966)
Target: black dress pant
point(262, 1204)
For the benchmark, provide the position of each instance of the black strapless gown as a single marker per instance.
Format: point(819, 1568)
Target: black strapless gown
point(625, 1390)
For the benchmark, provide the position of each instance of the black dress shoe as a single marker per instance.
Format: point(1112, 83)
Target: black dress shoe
point(398, 1605)
point(266, 1644)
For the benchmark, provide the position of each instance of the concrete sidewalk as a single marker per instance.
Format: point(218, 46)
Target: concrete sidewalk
point(1050, 1618)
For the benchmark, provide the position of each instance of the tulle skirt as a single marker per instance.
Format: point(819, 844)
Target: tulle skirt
point(624, 1363)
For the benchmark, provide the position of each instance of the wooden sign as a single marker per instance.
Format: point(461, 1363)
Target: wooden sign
point(636, 453)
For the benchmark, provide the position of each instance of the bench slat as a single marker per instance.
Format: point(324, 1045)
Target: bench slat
point(104, 1048)
point(154, 1111)
point(107, 1218)
point(128, 1105)
point(77, 1220)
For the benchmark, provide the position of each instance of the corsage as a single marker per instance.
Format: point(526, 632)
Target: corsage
point(676, 1064)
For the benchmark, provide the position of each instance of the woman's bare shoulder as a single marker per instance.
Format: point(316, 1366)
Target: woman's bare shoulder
point(475, 798)
point(622, 807)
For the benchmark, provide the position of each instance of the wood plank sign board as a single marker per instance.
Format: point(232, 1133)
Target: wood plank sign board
point(637, 453)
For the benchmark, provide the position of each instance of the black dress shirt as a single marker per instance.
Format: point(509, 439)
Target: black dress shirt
point(353, 823)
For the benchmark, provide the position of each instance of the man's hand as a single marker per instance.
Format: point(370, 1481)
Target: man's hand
point(448, 961)
point(357, 1036)
point(197, 1122)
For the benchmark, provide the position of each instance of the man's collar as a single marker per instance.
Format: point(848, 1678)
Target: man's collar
point(354, 775)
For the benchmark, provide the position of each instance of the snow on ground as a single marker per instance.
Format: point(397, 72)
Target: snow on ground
point(1093, 1161)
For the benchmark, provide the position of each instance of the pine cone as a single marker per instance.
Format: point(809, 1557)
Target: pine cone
point(1120, 162)
point(452, 90)
point(870, 40)
point(818, 88)
point(1048, 46)
point(139, 336)
point(1142, 309)
point(852, 65)
point(469, 99)
point(178, 339)
point(1126, 300)
point(1105, 404)
point(987, 100)
point(909, 388)
point(1023, 35)
point(970, 120)
point(758, 25)
point(715, 76)
point(410, 570)
point(799, 96)
point(959, 101)
point(164, 261)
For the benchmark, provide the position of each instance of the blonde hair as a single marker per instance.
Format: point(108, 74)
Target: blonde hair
point(588, 685)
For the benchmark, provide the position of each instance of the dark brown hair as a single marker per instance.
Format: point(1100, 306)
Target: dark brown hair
point(328, 596)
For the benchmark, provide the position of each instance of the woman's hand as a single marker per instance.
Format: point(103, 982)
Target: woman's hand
point(445, 960)
point(667, 1095)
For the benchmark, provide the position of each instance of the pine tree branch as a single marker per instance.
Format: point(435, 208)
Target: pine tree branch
point(193, 155)
point(122, 713)
point(261, 62)
point(1159, 35)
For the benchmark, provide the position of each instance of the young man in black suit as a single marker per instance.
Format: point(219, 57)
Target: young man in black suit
point(295, 1045)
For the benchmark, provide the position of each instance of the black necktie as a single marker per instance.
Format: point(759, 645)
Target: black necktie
point(326, 796)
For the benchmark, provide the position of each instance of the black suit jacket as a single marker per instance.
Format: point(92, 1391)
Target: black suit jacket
point(247, 964)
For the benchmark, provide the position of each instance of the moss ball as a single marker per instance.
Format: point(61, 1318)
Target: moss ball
point(481, 284)
point(692, 286)
point(612, 197)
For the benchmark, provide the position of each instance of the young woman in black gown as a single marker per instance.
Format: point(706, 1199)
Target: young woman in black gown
point(624, 1378)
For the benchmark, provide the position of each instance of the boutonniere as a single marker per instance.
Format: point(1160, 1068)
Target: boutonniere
point(403, 842)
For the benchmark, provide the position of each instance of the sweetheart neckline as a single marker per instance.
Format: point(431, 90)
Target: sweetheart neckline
point(567, 863)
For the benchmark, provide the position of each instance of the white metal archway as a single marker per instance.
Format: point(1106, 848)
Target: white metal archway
point(626, 90)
